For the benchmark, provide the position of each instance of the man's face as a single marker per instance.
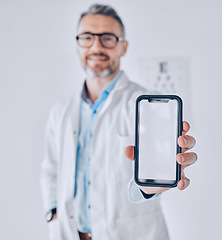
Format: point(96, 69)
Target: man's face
point(97, 60)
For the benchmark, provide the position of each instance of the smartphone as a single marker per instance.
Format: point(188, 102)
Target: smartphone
point(158, 126)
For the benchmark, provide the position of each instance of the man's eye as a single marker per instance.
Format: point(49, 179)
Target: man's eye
point(107, 39)
point(85, 37)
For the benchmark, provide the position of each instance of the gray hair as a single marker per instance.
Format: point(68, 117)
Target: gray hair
point(104, 10)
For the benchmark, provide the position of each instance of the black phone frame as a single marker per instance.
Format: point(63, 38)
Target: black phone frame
point(150, 182)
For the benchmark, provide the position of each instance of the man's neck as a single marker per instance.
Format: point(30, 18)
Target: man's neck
point(96, 84)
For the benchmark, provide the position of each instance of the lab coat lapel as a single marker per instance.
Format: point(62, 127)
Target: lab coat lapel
point(120, 84)
point(75, 114)
point(70, 141)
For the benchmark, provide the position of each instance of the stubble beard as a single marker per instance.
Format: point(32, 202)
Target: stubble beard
point(109, 70)
point(91, 74)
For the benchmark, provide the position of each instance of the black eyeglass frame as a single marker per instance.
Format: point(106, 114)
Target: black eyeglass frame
point(118, 39)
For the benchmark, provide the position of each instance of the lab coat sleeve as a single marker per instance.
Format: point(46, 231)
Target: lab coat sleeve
point(48, 179)
point(136, 195)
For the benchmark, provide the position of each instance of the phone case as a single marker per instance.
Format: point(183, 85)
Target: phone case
point(178, 148)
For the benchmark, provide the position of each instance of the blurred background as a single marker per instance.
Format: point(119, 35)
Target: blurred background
point(39, 66)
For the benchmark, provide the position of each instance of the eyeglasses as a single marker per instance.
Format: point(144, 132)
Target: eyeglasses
point(107, 40)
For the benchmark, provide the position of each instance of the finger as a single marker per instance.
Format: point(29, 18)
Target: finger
point(129, 152)
point(186, 159)
point(54, 217)
point(186, 127)
point(183, 183)
point(186, 142)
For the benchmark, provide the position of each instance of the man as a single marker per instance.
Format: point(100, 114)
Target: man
point(87, 183)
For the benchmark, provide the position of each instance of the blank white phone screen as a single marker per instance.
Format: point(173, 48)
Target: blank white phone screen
point(157, 139)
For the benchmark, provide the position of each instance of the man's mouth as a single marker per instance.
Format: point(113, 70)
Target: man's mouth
point(97, 58)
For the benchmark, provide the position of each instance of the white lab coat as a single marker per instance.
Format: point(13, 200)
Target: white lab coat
point(113, 215)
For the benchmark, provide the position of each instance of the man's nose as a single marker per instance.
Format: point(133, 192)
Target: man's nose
point(96, 43)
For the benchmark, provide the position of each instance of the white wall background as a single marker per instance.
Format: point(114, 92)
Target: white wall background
point(39, 65)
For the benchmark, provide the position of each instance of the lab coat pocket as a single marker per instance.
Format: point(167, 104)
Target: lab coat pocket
point(53, 230)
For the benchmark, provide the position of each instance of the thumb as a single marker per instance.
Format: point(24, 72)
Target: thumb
point(129, 152)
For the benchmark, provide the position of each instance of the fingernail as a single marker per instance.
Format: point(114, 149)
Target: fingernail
point(182, 158)
point(185, 141)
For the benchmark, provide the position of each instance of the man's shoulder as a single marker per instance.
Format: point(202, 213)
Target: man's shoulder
point(135, 87)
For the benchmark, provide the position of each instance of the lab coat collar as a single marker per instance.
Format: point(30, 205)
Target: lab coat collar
point(121, 83)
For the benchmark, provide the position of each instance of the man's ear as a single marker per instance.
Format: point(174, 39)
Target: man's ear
point(125, 45)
